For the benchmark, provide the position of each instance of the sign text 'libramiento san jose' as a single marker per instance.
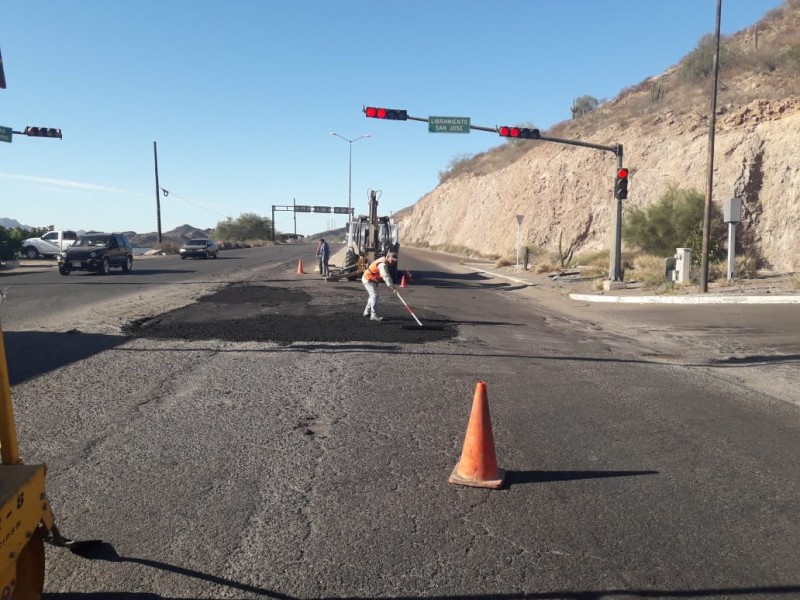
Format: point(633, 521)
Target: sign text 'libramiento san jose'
point(448, 124)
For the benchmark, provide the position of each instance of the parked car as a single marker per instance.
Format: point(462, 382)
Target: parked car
point(98, 252)
point(50, 244)
point(200, 248)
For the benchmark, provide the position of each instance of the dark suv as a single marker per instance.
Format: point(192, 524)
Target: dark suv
point(97, 252)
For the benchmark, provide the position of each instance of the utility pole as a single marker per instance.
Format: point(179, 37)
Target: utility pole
point(158, 192)
point(712, 125)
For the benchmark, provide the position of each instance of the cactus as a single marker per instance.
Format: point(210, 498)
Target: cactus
point(658, 90)
point(564, 259)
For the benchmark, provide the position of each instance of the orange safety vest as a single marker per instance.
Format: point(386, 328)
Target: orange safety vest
point(372, 273)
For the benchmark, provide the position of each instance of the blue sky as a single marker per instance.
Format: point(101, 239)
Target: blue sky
point(241, 96)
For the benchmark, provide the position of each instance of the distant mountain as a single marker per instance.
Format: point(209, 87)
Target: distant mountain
point(141, 240)
point(176, 236)
point(332, 235)
point(11, 223)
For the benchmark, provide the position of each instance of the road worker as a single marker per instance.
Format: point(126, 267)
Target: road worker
point(324, 255)
point(377, 272)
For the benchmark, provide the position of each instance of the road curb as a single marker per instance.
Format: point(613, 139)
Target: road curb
point(686, 299)
point(665, 299)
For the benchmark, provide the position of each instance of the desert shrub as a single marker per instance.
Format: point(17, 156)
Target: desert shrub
point(232, 245)
point(716, 250)
point(168, 247)
point(594, 271)
point(248, 226)
point(791, 58)
point(546, 267)
point(674, 221)
point(745, 267)
point(260, 243)
point(699, 63)
point(600, 258)
point(458, 164)
point(649, 270)
point(717, 270)
point(583, 106)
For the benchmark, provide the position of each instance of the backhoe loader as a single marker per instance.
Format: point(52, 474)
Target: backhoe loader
point(26, 519)
point(368, 237)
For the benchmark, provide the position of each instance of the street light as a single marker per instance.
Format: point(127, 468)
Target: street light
point(350, 171)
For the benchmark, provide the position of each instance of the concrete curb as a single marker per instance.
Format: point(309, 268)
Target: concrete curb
point(666, 299)
point(687, 299)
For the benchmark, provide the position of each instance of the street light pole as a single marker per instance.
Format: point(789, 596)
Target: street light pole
point(350, 171)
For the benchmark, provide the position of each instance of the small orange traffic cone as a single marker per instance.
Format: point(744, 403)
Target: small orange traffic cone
point(300, 267)
point(403, 282)
point(478, 464)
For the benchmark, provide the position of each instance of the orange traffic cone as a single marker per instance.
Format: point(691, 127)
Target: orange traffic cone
point(403, 282)
point(300, 267)
point(478, 464)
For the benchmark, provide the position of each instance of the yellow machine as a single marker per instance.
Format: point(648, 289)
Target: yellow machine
point(368, 237)
point(26, 519)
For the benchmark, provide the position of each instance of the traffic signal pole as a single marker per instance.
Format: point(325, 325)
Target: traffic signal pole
point(615, 259)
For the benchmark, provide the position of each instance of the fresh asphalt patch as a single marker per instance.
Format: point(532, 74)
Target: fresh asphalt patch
point(284, 315)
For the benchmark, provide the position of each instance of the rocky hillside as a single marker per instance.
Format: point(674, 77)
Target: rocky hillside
point(566, 192)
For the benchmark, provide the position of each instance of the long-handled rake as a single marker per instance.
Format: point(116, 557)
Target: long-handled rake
point(408, 308)
point(411, 312)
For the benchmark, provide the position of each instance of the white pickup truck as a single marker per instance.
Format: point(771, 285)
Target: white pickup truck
point(50, 244)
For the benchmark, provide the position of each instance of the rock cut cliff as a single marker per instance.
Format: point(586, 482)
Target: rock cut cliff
point(567, 191)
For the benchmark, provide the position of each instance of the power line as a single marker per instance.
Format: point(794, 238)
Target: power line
point(167, 193)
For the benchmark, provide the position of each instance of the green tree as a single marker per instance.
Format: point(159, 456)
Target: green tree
point(248, 226)
point(674, 221)
point(11, 239)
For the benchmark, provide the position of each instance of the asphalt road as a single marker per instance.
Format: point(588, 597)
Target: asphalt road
point(262, 439)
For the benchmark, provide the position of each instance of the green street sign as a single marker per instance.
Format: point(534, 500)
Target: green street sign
point(448, 124)
point(5, 134)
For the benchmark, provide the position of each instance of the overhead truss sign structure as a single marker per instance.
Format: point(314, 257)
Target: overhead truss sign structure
point(307, 208)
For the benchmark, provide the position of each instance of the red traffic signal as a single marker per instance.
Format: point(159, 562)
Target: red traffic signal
point(394, 114)
point(621, 184)
point(50, 132)
point(524, 133)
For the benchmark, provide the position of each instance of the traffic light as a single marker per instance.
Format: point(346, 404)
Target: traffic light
point(524, 133)
point(50, 132)
point(621, 184)
point(395, 114)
